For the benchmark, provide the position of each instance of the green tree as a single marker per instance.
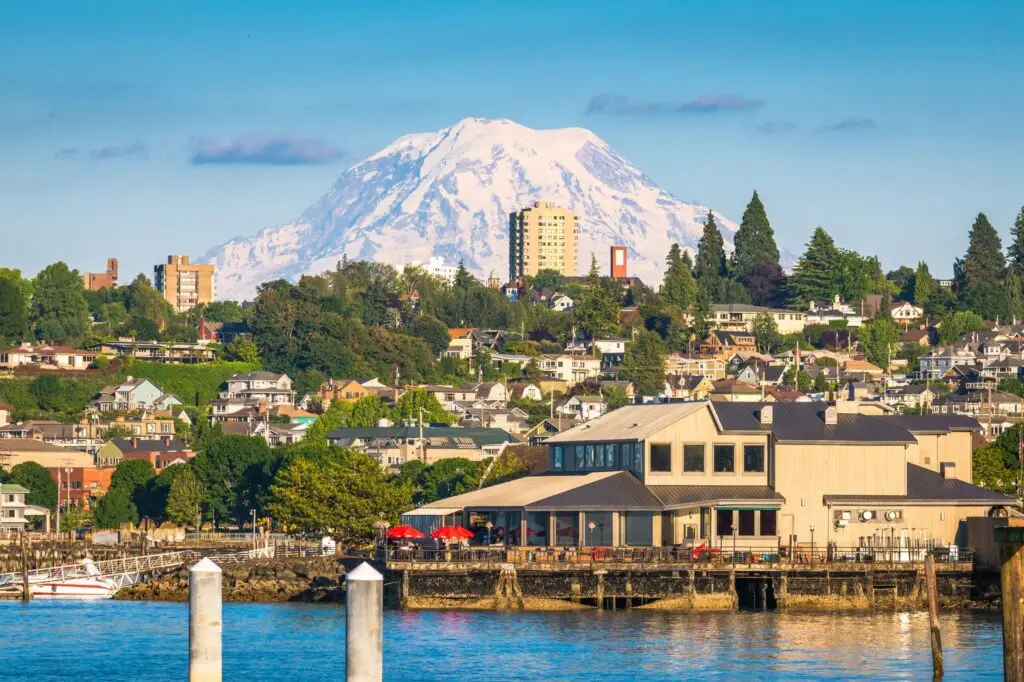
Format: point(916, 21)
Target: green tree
point(411, 402)
point(42, 489)
point(644, 364)
point(954, 325)
point(368, 411)
point(984, 270)
point(754, 241)
point(594, 312)
point(989, 470)
point(463, 280)
point(815, 276)
point(144, 303)
point(448, 477)
point(506, 467)
point(614, 397)
point(185, 500)
point(49, 393)
point(709, 266)
point(878, 340)
point(342, 496)
point(13, 312)
point(224, 468)
point(766, 332)
point(131, 475)
point(431, 330)
point(703, 315)
point(924, 285)
point(547, 279)
point(678, 288)
point(115, 508)
point(59, 308)
point(243, 349)
point(820, 384)
point(157, 491)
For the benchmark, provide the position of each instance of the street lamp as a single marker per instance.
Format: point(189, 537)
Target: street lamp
point(590, 538)
point(489, 526)
point(812, 544)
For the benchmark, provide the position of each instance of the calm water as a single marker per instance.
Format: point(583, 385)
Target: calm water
point(149, 641)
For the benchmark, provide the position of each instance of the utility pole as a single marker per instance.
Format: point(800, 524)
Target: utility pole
point(58, 499)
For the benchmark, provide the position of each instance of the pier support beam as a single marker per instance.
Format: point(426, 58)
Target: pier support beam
point(599, 592)
point(364, 624)
point(1010, 540)
point(204, 622)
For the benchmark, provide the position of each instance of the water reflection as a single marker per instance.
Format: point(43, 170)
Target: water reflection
point(135, 641)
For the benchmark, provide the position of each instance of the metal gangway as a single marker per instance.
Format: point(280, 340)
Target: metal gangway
point(129, 570)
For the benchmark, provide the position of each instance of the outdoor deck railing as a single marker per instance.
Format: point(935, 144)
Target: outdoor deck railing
point(833, 557)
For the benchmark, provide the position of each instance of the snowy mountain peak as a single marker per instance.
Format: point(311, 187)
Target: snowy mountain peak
point(449, 194)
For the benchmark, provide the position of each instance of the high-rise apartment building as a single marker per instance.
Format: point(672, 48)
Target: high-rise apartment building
point(184, 285)
point(543, 237)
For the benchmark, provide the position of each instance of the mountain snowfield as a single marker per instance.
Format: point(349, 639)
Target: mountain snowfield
point(450, 193)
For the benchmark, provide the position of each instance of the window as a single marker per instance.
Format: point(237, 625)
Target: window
point(556, 457)
point(746, 521)
point(689, 531)
point(638, 458)
point(599, 529)
point(599, 455)
point(638, 529)
point(723, 522)
point(725, 458)
point(661, 457)
point(769, 522)
point(580, 461)
point(693, 458)
point(590, 457)
point(611, 455)
point(753, 458)
point(567, 531)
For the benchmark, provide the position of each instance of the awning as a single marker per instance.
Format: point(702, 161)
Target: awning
point(432, 511)
point(748, 507)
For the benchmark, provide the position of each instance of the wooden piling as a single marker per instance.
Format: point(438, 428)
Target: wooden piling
point(26, 590)
point(1010, 540)
point(933, 617)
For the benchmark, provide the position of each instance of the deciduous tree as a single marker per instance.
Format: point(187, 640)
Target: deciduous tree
point(644, 364)
point(185, 501)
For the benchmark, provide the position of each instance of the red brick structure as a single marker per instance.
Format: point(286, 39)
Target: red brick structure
point(618, 262)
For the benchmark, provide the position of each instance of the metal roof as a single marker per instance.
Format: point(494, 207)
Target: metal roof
point(633, 422)
point(674, 496)
point(520, 492)
point(805, 423)
point(621, 491)
point(924, 486)
point(433, 435)
point(933, 423)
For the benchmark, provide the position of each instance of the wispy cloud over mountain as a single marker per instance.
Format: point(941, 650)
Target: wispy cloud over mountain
point(268, 150)
point(618, 105)
point(850, 124)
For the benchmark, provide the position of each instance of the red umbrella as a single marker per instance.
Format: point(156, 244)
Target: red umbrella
point(404, 533)
point(451, 533)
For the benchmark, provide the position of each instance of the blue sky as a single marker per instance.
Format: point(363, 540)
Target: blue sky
point(140, 129)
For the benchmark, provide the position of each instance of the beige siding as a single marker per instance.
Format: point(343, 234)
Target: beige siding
point(937, 449)
point(700, 429)
point(944, 524)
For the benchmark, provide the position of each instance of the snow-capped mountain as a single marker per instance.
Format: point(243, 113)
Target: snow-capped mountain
point(450, 193)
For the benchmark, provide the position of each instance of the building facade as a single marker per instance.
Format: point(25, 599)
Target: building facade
point(94, 281)
point(617, 266)
point(543, 237)
point(183, 284)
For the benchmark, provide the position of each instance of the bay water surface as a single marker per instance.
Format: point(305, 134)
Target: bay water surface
point(114, 640)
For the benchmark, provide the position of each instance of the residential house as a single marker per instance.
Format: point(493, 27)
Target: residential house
point(757, 475)
point(722, 345)
point(572, 369)
point(159, 452)
point(462, 344)
point(446, 394)
point(12, 508)
point(824, 313)
point(965, 378)
point(525, 391)
point(83, 485)
point(221, 332)
point(153, 351)
point(612, 351)
point(921, 337)
point(133, 394)
point(294, 415)
point(346, 390)
point(584, 407)
point(979, 404)
point(1004, 368)
point(561, 303)
point(492, 392)
point(6, 411)
point(46, 356)
point(512, 420)
point(768, 375)
point(911, 396)
point(499, 359)
point(267, 387)
point(392, 446)
point(236, 410)
point(544, 430)
point(690, 387)
point(711, 367)
point(905, 312)
point(739, 317)
point(941, 360)
point(731, 390)
point(14, 451)
point(862, 368)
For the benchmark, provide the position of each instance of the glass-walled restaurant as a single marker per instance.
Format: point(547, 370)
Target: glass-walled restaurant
point(564, 528)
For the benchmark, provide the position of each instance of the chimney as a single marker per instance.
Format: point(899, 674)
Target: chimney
point(135, 443)
point(831, 415)
point(948, 470)
point(767, 414)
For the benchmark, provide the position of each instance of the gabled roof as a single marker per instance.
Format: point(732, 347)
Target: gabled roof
point(633, 422)
point(688, 495)
point(622, 490)
point(805, 423)
point(126, 445)
point(260, 375)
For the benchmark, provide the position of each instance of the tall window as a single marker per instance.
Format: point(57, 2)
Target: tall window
point(746, 525)
point(661, 457)
point(590, 456)
point(725, 458)
point(556, 457)
point(723, 522)
point(693, 458)
point(638, 529)
point(580, 461)
point(769, 522)
point(611, 452)
point(753, 458)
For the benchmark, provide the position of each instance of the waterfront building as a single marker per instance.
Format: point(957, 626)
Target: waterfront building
point(543, 237)
point(756, 475)
point(184, 284)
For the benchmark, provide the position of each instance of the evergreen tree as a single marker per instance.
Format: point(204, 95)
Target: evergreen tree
point(1016, 248)
point(463, 280)
point(984, 262)
point(703, 315)
point(924, 285)
point(754, 241)
point(678, 288)
point(815, 276)
point(595, 313)
point(709, 267)
point(13, 320)
point(644, 364)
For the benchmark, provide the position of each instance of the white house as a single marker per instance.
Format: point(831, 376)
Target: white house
point(561, 303)
point(267, 387)
point(571, 368)
point(586, 407)
point(905, 312)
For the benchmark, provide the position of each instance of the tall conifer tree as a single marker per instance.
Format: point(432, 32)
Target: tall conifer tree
point(678, 288)
point(755, 240)
point(709, 266)
point(815, 276)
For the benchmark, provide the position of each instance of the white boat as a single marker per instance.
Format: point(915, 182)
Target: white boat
point(86, 583)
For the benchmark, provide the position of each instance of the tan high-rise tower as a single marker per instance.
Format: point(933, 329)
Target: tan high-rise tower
point(544, 237)
point(184, 285)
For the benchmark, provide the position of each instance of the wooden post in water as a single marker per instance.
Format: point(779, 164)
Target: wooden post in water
point(26, 590)
point(1010, 540)
point(933, 617)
